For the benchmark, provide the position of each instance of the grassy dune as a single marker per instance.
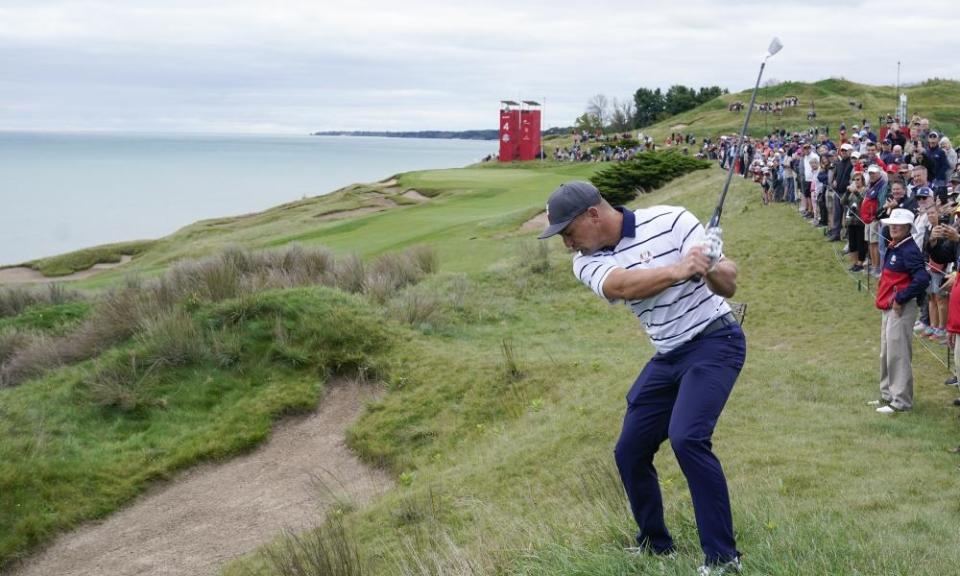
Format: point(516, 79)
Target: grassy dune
point(933, 99)
point(501, 426)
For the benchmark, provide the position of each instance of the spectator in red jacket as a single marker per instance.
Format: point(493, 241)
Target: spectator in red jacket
point(903, 280)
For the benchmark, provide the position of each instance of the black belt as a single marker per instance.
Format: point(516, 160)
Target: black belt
point(727, 319)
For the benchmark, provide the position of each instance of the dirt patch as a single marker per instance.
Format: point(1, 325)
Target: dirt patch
point(537, 223)
point(391, 183)
point(678, 126)
point(24, 275)
point(415, 196)
point(214, 513)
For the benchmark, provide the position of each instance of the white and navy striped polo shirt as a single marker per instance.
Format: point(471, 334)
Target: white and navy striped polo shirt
point(652, 238)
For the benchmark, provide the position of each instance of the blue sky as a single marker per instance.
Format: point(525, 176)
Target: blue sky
point(295, 67)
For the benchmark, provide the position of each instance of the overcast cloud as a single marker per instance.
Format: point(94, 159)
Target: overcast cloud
point(295, 67)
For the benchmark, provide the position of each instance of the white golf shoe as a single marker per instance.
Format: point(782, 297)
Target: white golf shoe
point(731, 567)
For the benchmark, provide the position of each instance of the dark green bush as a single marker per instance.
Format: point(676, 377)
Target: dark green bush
point(620, 183)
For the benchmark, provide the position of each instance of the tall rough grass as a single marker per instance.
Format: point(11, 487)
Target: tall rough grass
point(16, 299)
point(153, 310)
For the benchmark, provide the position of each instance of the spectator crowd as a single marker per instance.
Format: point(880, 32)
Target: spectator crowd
point(874, 190)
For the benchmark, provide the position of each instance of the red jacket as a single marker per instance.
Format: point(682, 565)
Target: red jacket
point(953, 311)
point(904, 275)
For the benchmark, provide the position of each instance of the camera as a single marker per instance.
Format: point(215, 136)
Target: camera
point(944, 219)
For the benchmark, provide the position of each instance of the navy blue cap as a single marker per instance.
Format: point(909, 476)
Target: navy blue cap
point(923, 191)
point(566, 203)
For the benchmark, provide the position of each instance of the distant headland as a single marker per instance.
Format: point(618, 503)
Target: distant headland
point(461, 135)
point(448, 134)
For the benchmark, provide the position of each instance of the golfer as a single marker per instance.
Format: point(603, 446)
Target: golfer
point(661, 263)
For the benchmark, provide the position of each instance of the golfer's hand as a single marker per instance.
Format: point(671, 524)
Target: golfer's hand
point(695, 263)
point(713, 245)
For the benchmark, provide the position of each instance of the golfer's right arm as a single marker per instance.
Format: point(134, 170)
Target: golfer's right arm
point(636, 283)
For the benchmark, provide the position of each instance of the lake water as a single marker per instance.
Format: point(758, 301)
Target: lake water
point(61, 192)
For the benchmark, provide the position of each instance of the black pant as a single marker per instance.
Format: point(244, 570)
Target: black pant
point(822, 205)
point(855, 237)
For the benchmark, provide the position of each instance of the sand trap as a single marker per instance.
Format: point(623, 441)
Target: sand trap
point(415, 196)
point(340, 215)
point(537, 223)
point(391, 183)
point(213, 513)
point(24, 275)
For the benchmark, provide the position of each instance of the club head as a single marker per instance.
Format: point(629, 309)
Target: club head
point(775, 46)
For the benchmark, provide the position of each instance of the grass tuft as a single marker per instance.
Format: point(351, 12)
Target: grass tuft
point(329, 550)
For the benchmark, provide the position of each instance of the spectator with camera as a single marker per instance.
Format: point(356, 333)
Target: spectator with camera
point(852, 200)
point(939, 251)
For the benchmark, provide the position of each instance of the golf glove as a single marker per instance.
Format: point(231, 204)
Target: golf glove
point(713, 245)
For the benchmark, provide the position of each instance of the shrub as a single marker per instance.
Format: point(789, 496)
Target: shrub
point(621, 182)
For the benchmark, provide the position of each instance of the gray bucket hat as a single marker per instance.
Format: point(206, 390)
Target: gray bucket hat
point(566, 203)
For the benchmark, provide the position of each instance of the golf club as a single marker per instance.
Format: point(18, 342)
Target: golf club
point(775, 46)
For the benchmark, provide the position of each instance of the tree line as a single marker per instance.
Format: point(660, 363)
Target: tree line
point(647, 107)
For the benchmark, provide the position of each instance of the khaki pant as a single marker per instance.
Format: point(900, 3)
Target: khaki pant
point(896, 354)
point(956, 356)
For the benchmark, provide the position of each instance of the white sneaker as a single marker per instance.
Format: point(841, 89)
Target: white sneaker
point(731, 567)
point(888, 409)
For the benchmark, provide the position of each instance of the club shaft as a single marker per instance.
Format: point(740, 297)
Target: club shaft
point(715, 219)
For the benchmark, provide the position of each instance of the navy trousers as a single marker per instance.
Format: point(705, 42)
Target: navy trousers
point(679, 395)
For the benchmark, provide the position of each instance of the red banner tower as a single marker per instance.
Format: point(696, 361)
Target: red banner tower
point(509, 131)
point(529, 130)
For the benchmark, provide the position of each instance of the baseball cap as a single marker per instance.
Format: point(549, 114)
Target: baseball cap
point(893, 168)
point(933, 134)
point(898, 216)
point(566, 203)
point(855, 154)
point(875, 168)
point(923, 191)
point(846, 146)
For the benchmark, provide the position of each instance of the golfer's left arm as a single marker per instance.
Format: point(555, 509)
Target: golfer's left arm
point(722, 280)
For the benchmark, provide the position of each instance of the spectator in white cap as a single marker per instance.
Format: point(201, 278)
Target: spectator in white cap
point(903, 280)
